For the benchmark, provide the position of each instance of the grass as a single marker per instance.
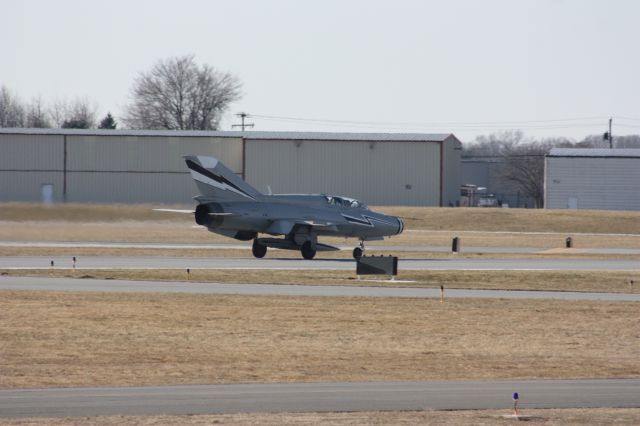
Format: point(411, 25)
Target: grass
point(589, 281)
point(53, 339)
point(559, 417)
point(425, 226)
point(427, 218)
point(518, 220)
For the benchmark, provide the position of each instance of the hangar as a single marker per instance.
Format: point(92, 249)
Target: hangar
point(603, 179)
point(134, 166)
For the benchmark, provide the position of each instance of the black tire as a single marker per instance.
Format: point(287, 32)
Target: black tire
point(357, 253)
point(307, 250)
point(258, 250)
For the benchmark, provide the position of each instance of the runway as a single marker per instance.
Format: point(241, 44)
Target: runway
point(96, 285)
point(318, 397)
point(150, 262)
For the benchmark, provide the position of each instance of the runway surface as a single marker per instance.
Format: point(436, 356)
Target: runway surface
point(71, 284)
point(387, 248)
point(318, 397)
point(150, 262)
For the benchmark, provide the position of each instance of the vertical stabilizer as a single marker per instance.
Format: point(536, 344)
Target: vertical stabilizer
point(216, 181)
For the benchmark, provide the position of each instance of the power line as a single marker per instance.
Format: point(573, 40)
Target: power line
point(468, 125)
point(414, 123)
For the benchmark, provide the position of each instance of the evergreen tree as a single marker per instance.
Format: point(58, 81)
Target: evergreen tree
point(108, 122)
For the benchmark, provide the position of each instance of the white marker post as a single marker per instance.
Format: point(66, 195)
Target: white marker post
point(516, 397)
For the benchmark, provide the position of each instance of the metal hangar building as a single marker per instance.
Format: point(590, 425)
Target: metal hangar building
point(602, 179)
point(132, 166)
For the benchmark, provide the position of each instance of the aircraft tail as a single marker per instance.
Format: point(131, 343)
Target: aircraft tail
point(216, 182)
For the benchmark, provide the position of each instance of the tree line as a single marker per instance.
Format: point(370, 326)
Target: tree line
point(522, 158)
point(175, 94)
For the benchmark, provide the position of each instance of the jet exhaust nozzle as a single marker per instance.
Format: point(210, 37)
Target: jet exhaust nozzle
point(203, 217)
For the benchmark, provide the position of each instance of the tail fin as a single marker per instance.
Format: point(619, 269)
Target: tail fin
point(216, 181)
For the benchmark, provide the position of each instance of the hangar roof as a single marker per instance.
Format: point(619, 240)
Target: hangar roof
point(594, 152)
point(403, 137)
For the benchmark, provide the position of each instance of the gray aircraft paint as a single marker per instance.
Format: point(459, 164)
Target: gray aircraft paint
point(231, 207)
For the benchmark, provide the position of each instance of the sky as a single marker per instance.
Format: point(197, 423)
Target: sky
point(468, 67)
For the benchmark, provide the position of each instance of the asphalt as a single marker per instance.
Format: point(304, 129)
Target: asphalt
point(150, 262)
point(318, 397)
point(98, 285)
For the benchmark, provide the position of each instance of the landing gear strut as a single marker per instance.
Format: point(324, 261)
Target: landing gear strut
point(308, 250)
point(358, 251)
point(258, 250)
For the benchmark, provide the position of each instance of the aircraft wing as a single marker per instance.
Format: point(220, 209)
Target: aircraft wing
point(174, 211)
point(285, 226)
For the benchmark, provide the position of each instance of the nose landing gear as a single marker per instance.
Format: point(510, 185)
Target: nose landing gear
point(358, 252)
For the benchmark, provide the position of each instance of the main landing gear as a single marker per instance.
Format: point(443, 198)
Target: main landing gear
point(258, 250)
point(358, 251)
point(308, 250)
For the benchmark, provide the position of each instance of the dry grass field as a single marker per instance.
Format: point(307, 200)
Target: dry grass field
point(98, 339)
point(556, 417)
point(590, 281)
point(416, 218)
point(425, 226)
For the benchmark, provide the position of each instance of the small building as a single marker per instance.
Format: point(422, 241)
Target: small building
point(602, 179)
point(145, 166)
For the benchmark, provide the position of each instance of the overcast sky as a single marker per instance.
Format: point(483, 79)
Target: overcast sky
point(464, 66)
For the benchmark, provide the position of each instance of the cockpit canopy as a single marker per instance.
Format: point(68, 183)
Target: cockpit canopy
point(345, 202)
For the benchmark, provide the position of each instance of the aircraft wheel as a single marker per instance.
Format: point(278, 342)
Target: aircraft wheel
point(258, 250)
point(307, 250)
point(357, 253)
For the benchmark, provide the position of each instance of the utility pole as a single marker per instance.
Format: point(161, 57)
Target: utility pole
point(242, 116)
point(608, 135)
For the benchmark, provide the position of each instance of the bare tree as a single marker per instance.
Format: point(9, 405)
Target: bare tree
point(522, 159)
point(178, 94)
point(524, 166)
point(11, 109)
point(494, 145)
point(597, 141)
point(37, 115)
point(79, 113)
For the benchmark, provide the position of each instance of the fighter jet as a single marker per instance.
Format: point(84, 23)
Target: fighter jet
point(229, 206)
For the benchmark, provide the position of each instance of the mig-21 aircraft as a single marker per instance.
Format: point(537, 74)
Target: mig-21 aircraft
point(229, 206)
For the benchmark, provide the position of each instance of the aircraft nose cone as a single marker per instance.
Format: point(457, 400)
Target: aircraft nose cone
point(400, 226)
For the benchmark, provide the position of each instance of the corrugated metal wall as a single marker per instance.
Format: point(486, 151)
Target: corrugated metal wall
point(452, 149)
point(592, 183)
point(377, 173)
point(29, 161)
point(107, 169)
point(147, 167)
point(150, 169)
